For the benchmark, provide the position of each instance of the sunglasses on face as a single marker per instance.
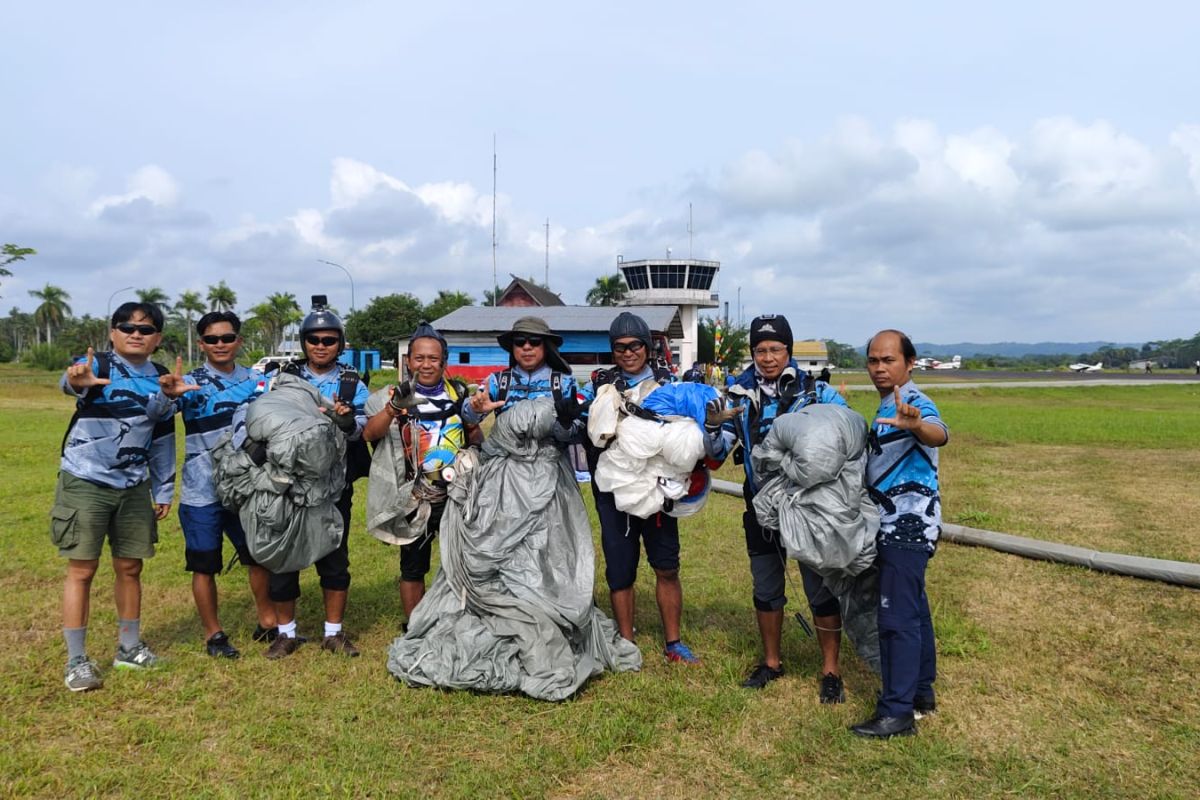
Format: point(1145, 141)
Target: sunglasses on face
point(630, 347)
point(324, 341)
point(129, 329)
point(532, 341)
point(223, 338)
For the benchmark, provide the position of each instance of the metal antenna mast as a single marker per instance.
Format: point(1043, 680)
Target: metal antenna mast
point(495, 285)
point(689, 230)
point(547, 252)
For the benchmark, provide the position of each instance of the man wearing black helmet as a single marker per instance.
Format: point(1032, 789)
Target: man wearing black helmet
point(772, 386)
point(622, 536)
point(323, 338)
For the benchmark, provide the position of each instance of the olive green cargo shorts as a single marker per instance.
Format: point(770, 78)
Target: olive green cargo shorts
point(85, 514)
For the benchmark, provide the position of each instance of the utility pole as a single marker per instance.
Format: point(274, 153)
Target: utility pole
point(495, 285)
point(547, 252)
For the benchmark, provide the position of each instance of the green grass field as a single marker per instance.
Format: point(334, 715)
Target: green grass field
point(1054, 681)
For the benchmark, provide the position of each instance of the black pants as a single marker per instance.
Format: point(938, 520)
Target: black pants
point(334, 568)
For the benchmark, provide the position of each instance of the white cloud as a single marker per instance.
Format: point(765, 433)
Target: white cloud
point(149, 183)
point(1067, 230)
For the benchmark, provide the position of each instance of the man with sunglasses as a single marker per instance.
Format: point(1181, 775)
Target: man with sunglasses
point(323, 338)
point(772, 386)
point(116, 480)
point(535, 370)
point(207, 398)
point(623, 536)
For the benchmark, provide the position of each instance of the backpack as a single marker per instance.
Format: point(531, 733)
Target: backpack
point(103, 371)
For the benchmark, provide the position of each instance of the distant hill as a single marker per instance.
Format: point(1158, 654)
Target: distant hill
point(1014, 349)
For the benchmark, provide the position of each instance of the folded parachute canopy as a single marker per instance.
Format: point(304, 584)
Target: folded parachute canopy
point(652, 465)
point(286, 504)
point(812, 468)
point(511, 606)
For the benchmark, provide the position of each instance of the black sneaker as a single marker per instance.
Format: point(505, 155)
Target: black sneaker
point(832, 689)
point(262, 634)
point(761, 676)
point(218, 646)
point(924, 706)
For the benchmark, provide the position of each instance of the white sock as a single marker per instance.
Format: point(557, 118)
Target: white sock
point(288, 629)
point(333, 628)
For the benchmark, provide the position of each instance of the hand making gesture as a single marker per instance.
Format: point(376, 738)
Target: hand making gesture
point(173, 385)
point(907, 418)
point(481, 404)
point(81, 377)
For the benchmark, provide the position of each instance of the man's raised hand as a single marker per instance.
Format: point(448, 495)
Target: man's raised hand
point(80, 376)
point(172, 384)
point(907, 417)
point(481, 405)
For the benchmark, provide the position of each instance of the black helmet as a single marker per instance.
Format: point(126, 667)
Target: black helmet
point(321, 319)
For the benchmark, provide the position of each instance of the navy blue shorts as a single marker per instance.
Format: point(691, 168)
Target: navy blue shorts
point(202, 536)
point(622, 537)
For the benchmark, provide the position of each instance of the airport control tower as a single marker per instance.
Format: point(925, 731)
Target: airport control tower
point(682, 282)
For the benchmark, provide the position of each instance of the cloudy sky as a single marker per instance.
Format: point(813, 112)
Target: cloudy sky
point(1027, 173)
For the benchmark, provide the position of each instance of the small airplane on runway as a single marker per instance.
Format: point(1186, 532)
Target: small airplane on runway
point(1097, 367)
point(933, 363)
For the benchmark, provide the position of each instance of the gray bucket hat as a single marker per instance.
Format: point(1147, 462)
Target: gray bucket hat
point(536, 326)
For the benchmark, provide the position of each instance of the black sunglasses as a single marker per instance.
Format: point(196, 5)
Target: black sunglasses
point(532, 341)
point(628, 347)
point(324, 341)
point(129, 328)
point(223, 338)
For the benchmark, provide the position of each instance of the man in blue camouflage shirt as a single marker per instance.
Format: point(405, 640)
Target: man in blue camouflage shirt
point(208, 396)
point(902, 472)
point(116, 480)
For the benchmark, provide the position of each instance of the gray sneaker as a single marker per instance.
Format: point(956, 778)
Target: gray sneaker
point(81, 675)
point(140, 656)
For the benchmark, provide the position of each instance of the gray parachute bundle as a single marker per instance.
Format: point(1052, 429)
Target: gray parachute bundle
point(812, 470)
point(286, 505)
point(511, 606)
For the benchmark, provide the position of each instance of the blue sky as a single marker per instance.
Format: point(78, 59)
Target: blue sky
point(1024, 173)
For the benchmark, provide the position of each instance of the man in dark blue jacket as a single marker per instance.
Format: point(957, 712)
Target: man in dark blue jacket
point(774, 385)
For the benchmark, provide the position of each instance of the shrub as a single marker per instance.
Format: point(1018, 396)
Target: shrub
point(48, 357)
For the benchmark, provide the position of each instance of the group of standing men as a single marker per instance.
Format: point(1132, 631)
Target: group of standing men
point(117, 480)
point(117, 476)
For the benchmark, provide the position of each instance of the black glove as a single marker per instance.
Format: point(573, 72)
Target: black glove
point(256, 450)
point(345, 422)
point(715, 415)
point(403, 398)
point(567, 410)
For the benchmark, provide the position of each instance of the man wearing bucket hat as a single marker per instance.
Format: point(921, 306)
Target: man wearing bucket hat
point(622, 536)
point(535, 369)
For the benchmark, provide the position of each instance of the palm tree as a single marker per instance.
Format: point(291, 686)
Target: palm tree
point(608, 291)
point(157, 297)
point(445, 302)
point(53, 309)
point(221, 297)
point(189, 303)
point(274, 315)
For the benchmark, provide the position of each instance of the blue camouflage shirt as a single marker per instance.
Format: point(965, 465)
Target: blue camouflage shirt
point(902, 475)
point(207, 414)
point(329, 384)
point(125, 431)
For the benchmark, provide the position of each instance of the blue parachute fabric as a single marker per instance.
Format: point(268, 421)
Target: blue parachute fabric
point(681, 400)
